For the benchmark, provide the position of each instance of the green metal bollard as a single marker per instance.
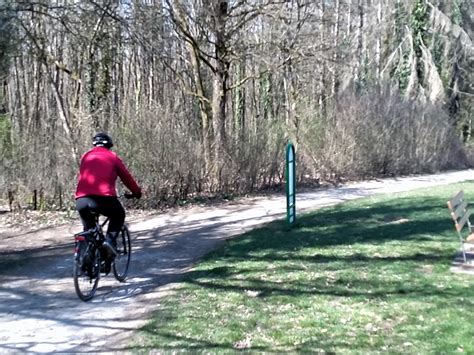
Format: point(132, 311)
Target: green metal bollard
point(290, 184)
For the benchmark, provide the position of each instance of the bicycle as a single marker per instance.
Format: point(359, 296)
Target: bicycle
point(91, 260)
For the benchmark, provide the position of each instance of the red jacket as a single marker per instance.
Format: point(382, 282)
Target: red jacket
point(98, 174)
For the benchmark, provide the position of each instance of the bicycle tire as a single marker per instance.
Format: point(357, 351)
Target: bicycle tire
point(86, 279)
point(121, 262)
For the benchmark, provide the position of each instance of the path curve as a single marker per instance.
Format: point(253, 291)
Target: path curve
point(39, 311)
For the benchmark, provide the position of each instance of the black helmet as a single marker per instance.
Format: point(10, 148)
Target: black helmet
point(102, 140)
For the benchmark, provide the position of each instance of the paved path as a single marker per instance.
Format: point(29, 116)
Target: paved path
point(39, 311)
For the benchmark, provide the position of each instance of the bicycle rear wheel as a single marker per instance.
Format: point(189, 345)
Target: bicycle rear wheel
point(122, 260)
point(87, 272)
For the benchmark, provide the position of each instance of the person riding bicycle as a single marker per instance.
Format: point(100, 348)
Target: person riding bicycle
point(96, 191)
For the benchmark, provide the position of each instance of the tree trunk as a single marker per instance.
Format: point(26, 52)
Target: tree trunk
point(360, 44)
point(378, 46)
point(220, 90)
point(335, 73)
point(63, 115)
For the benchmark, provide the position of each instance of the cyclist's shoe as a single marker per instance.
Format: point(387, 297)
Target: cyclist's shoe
point(106, 266)
point(110, 244)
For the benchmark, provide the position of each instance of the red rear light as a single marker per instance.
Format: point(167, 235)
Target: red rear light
point(79, 238)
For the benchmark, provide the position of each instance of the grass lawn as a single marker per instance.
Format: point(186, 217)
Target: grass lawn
point(370, 275)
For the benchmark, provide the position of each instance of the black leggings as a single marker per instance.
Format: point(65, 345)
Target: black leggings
point(108, 206)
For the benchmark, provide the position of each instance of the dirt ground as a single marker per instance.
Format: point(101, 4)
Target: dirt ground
point(40, 312)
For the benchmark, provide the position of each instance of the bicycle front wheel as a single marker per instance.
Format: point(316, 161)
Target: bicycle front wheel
point(87, 273)
point(122, 260)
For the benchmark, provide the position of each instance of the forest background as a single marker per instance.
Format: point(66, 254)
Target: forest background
point(201, 96)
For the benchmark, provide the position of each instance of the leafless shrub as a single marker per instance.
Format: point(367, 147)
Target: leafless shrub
point(169, 162)
point(258, 161)
point(380, 134)
point(161, 152)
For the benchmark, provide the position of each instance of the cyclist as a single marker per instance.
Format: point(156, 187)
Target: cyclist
point(96, 191)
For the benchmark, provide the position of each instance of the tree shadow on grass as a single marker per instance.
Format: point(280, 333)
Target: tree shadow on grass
point(339, 226)
point(406, 221)
point(329, 229)
point(346, 284)
point(351, 287)
point(192, 343)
